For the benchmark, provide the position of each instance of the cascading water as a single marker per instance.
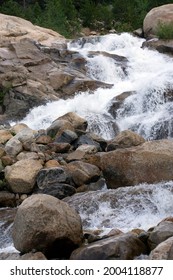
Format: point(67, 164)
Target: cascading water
point(148, 74)
point(148, 110)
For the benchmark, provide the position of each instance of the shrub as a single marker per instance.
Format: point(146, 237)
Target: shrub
point(165, 31)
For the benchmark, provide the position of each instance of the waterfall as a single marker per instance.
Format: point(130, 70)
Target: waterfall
point(148, 75)
point(148, 109)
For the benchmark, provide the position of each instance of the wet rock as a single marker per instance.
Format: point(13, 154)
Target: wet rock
point(162, 46)
point(125, 139)
point(116, 102)
point(51, 177)
point(163, 251)
point(47, 224)
point(123, 167)
point(21, 176)
point(123, 247)
point(161, 232)
point(83, 173)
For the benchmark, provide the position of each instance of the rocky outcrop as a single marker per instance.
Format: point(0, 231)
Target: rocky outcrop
point(122, 247)
point(36, 67)
point(48, 225)
point(14, 29)
point(162, 14)
point(149, 162)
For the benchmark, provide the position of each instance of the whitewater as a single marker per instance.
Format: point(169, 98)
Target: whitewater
point(149, 75)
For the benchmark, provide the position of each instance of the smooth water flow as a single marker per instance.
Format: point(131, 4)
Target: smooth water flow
point(147, 76)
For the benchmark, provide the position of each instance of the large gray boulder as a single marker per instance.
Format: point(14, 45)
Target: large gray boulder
point(48, 225)
point(162, 14)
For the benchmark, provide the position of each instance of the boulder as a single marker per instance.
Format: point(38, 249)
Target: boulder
point(21, 176)
point(161, 232)
point(27, 155)
point(67, 136)
point(81, 151)
point(163, 251)
point(125, 139)
point(122, 247)
point(76, 121)
point(17, 28)
point(48, 225)
point(149, 162)
point(83, 173)
point(59, 126)
point(7, 199)
point(162, 14)
point(13, 147)
point(5, 135)
point(18, 127)
point(59, 190)
point(52, 177)
point(59, 147)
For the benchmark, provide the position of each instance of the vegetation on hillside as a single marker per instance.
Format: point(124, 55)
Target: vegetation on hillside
point(68, 16)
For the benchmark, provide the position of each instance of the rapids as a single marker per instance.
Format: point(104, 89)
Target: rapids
point(149, 75)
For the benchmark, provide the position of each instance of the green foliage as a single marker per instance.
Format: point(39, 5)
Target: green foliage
point(165, 31)
point(66, 16)
point(11, 7)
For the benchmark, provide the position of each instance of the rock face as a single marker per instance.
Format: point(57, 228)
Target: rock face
point(36, 67)
point(21, 176)
point(162, 14)
point(149, 162)
point(46, 224)
point(123, 247)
